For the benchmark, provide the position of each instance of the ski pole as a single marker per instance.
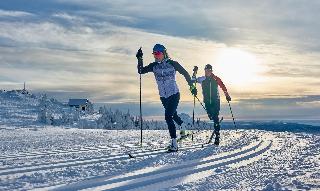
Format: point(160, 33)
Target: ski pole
point(140, 103)
point(194, 105)
point(140, 114)
point(201, 103)
point(232, 115)
point(194, 75)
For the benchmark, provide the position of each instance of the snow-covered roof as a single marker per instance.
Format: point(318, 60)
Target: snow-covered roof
point(78, 102)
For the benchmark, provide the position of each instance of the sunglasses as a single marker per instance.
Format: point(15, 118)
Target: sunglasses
point(157, 53)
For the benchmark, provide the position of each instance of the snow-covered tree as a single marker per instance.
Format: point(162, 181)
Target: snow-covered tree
point(114, 120)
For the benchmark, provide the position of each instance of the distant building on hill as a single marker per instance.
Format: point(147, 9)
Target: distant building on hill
point(82, 104)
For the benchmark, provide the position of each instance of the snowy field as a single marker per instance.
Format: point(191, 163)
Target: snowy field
point(37, 156)
point(73, 159)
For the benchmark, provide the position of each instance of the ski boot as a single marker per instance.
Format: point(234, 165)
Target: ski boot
point(183, 132)
point(173, 147)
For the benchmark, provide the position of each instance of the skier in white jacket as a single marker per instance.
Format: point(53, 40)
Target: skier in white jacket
point(164, 70)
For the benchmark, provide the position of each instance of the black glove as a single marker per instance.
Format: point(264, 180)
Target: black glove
point(228, 98)
point(139, 54)
point(193, 90)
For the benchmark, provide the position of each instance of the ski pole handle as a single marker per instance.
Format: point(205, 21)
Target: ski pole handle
point(139, 54)
point(195, 70)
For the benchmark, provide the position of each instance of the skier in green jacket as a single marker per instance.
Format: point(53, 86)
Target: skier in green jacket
point(211, 97)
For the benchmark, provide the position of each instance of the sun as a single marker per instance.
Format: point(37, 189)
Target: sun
point(237, 66)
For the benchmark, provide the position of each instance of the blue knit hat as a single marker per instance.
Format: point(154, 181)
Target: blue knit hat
point(159, 47)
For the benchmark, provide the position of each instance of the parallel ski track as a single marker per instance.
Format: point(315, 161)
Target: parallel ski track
point(87, 161)
point(65, 151)
point(59, 152)
point(171, 175)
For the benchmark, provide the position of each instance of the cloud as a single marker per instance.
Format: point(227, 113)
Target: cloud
point(277, 99)
point(287, 22)
point(291, 70)
point(82, 55)
point(67, 16)
point(88, 48)
point(293, 23)
point(277, 107)
point(5, 13)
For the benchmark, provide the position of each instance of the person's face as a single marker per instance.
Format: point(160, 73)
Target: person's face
point(158, 56)
point(207, 72)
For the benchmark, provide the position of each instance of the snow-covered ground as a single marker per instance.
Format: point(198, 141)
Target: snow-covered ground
point(73, 159)
point(44, 157)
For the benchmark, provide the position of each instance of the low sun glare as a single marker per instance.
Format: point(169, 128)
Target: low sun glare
point(237, 66)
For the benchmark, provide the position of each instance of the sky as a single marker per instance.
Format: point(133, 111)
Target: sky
point(266, 52)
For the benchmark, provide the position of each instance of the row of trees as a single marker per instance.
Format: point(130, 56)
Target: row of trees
point(114, 119)
point(53, 112)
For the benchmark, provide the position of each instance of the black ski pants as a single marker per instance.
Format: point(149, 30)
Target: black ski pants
point(213, 110)
point(170, 105)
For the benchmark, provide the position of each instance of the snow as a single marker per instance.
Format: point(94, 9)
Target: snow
point(36, 155)
point(98, 159)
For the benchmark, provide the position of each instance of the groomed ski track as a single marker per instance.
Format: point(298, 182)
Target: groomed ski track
point(167, 176)
point(245, 160)
point(85, 161)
